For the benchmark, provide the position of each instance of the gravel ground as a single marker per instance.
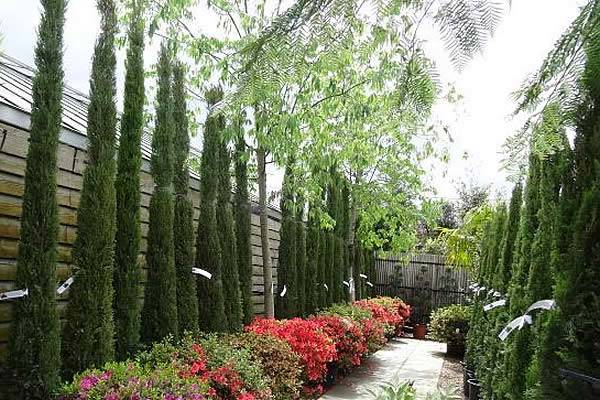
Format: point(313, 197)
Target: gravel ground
point(451, 376)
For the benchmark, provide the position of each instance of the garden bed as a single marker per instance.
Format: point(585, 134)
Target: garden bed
point(279, 359)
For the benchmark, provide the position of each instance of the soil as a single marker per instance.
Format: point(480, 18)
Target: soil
point(451, 376)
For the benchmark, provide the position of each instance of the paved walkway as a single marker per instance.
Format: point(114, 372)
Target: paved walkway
point(402, 360)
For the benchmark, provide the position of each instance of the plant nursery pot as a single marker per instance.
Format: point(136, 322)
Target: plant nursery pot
point(420, 331)
point(474, 389)
point(455, 350)
point(467, 375)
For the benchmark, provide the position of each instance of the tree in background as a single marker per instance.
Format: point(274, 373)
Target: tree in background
point(211, 304)
point(243, 221)
point(231, 281)
point(322, 269)
point(183, 222)
point(34, 343)
point(313, 285)
point(285, 307)
point(301, 272)
point(88, 334)
point(127, 270)
point(159, 312)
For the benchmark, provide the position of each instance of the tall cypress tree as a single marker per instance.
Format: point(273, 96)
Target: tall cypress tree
point(358, 269)
point(243, 228)
point(312, 265)
point(285, 307)
point(231, 281)
point(330, 271)
point(159, 312)
point(34, 343)
point(127, 237)
point(322, 270)
point(345, 207)
point(211, 304)
point(301, 278)
point(183, 222)
point(88, 333)
point(508, 241)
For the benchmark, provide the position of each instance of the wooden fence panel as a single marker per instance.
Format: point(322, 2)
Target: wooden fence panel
point(422, 280)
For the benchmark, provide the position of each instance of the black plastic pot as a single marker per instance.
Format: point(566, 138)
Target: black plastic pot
point(474, 389)
point(467, 374)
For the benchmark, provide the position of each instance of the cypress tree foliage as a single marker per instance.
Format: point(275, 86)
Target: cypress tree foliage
point(495, 245)
point(159, 312)
point(339, 270)
point(89, 330)
point(322, 272)
point(312, 266)
point(243, 228)
point(302, 278)
point(231, 281)
point(330, 260)
point(211, 304)
point(127, 237)
point(183, 222)
point(345, 207)
point(285, 307)
point(34, 343)
point(510, 233)
point(358, 269)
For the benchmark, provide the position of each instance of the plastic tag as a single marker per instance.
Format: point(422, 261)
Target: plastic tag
point(283, 292)
point(542, 305)
point(518, 322)
point(65, 285)
point(14, 294)
point(346, 283)
point(363, 276)
point(200, 271)
point(495, 304)
point(369, 283)
point(326, 287)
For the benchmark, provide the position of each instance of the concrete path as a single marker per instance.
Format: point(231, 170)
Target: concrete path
point(402, 360)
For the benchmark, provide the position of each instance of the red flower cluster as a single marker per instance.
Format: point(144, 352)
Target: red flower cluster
point(306, 338)
point(350, 343)
point(390, 312)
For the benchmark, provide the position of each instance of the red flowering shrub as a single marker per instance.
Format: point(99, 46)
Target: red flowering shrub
point(306, 338)
point(350, 343)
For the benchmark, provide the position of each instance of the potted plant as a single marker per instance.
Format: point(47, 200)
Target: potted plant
point(422, 304)
point(450, 325)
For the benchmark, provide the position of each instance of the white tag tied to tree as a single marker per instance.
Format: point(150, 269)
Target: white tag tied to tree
point(481, 289)
point(369, 283)
point(363, 276)
point(346, 283)
point(495, 304)
point(497, 294)
point(14, 294)
point(518, 322)
point(65, 285)
point(542, 305)
point(491, 291)
point(284, 291)
point(200, 271)
point(326, 287)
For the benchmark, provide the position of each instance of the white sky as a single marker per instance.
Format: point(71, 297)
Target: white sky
point(479, 124)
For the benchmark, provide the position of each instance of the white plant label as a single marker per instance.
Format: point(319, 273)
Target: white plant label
point(481, 289)
point(518, 322)
point(200, 271)
point(369, 283)
point(65, 285)
point(14, 294)
point(346, 283)
point(497, 294)
point(363, 276)
point(491, 291)
point(541, 305)
point(495, 304)
point(326, 287)
point(284, 291)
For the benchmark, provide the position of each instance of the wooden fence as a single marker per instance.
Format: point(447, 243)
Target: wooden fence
point(423, 280)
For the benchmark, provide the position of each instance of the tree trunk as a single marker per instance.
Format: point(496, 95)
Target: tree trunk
point(264, 232)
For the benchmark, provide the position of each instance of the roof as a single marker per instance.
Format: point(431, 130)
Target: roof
point(16, 83)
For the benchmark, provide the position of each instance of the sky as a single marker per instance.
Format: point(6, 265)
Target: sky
point(479, 123)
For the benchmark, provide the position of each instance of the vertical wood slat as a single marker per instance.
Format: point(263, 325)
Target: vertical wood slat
point(421, 276)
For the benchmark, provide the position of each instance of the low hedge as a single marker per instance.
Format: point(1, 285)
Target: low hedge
point(273, 359)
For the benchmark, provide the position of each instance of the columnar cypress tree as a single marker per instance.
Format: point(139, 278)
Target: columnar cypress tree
point(313, 287)
point(159, 312)
point(127, 238)
point(496, 245)
point(285, 307)
point(89, 330)
point(211, 305)
point(330, 271)
point(339, 270)
point(34, 343)
point(358, 269)
point(183, 222)
point(345, 207)
point(231, 281)
point(301, 277)
point(322, 269)
point(243, 228)
point(508, 241)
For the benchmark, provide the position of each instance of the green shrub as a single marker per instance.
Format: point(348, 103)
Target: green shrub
point(451, 325)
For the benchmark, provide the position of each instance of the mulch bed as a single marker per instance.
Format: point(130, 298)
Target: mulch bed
point(451, 376)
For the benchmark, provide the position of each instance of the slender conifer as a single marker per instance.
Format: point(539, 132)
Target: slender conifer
point(34, 344)
point(301, 277)
point(88, 335)
point(285, 306)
